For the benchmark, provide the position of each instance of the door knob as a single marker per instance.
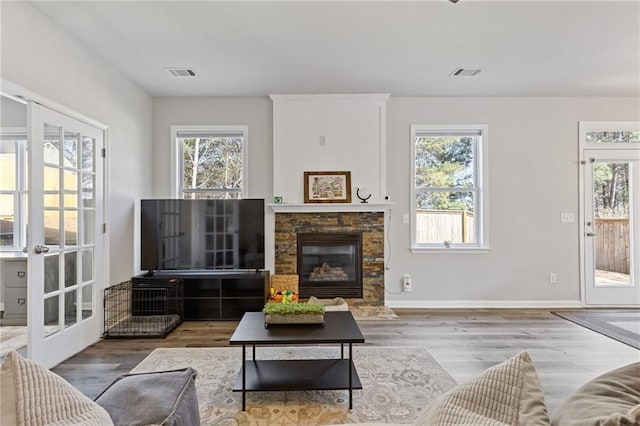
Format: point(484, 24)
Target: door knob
point(590, 234)
point(41, 249)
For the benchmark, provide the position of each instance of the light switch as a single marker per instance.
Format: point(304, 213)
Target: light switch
point(566, 217)
point(405, 218)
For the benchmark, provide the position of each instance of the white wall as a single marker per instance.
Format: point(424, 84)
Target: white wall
point(40, 57)
point(329, 133)
point(12, 113)
point(533, 176)
point(252, 112)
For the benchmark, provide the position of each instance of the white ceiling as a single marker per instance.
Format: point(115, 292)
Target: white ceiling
point(525, 48)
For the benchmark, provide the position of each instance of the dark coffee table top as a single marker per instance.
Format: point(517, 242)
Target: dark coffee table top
point(339, 327)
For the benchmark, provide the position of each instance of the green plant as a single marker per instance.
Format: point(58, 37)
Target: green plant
point(293, 309)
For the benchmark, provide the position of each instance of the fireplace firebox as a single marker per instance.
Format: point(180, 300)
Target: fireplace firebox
point(330, 264)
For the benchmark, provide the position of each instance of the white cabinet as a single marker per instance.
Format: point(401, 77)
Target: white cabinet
point(14, 284)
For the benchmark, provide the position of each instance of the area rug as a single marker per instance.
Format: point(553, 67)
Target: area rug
point(373, 313)
point(397, 384)
point(622, 325)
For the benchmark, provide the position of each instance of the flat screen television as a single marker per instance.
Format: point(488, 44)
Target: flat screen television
point(202, 234)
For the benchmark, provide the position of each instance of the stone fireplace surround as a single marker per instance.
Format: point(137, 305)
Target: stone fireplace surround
point(371, 224)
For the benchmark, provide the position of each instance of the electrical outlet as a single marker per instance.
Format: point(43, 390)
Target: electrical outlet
point(553, 277)
point(406, 282)
point(566, 217)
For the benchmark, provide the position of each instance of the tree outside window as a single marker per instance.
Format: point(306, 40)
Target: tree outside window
point(611, 190)
point(212, 163)
point(447, 191)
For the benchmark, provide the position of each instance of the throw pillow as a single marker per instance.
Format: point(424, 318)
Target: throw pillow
point(611, 399)
point(32, 395)
point(506, 394)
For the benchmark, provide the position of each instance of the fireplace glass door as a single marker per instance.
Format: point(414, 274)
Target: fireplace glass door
point(330, 264)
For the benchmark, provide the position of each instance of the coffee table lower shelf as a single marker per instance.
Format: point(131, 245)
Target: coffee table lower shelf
point(298, 375)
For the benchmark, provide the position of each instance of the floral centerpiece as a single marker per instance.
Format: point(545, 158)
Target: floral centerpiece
point(287, 296)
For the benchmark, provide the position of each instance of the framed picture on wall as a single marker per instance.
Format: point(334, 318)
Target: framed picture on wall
point(327, 187)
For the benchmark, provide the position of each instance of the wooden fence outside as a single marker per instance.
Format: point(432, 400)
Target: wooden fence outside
point(436, 226)
point(612, 245)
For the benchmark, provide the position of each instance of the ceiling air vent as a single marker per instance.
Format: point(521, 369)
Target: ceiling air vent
point(181, 72)
point(465, 72)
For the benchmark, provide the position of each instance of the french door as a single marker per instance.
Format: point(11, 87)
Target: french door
point(64, 242)
point(611, 219)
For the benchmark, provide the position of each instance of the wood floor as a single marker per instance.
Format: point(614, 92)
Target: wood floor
point(464, 342)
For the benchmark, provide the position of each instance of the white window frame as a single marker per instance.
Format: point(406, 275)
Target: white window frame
point(20, 191)
point(481, 207)
point(176, 154)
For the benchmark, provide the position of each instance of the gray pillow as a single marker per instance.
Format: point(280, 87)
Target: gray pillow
point(158, 398)
point(608, 400)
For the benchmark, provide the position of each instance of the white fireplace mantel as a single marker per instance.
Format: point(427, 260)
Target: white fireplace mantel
point(331, 207)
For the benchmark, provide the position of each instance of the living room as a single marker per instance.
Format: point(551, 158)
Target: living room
point(546, 69)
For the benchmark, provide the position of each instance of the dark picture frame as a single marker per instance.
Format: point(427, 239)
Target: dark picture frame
point(327, 187)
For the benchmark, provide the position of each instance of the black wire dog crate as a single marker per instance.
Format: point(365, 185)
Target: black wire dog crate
point(143, 308)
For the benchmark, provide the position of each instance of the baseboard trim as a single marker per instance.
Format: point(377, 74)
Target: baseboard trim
point(483, 304)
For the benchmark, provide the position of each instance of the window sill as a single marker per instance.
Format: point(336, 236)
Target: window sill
point(457, 250)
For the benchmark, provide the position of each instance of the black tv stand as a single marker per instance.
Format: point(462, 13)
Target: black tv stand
point(211, 295)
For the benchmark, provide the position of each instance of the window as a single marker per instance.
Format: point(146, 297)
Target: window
point(605, 137)
point(13, 152)
point(210, 161)
point(449, 189)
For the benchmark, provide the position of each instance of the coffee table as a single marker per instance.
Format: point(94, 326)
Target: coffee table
point(296, 375)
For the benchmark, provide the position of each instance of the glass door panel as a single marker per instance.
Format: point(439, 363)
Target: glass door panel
point(71, 149)
point(612, 227)
point(51, 179)
point(87, 265)
point(51, 273)
point(71, 308)
point(51, 317)
point(612, 223)
point(87, 297)
point(52, 227)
